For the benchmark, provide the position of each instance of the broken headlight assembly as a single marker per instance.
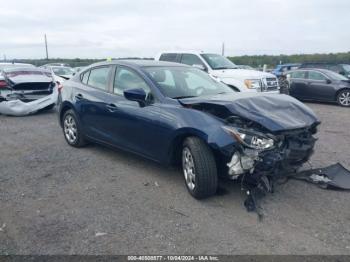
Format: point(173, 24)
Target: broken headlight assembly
point(250, 139)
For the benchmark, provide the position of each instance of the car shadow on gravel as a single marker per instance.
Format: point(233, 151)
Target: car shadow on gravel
point(225, 185)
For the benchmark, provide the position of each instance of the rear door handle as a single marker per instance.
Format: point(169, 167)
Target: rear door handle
point(79, 97)
point(112, 107)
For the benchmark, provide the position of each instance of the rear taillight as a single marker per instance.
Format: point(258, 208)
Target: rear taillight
point(3, 84)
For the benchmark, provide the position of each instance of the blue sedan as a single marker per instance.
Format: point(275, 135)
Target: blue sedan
point(176, 114)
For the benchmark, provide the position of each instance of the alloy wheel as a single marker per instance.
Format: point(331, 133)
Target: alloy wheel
point(188, 168)
point(70, 129)
point(344, 98)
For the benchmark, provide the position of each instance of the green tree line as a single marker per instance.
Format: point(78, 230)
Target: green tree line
point(273, 60)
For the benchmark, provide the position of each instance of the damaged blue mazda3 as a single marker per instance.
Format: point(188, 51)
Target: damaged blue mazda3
point(176, 114)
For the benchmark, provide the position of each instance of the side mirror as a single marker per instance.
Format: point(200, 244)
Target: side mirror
point(136, 94)
point(328, 81)
point(200, 66)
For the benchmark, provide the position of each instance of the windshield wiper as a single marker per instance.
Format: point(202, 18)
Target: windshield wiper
point(181, 97)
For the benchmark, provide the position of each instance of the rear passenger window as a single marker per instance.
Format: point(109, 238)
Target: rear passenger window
point(85, 77)
point(168, 57)
point(99, 77)
point(298, 74)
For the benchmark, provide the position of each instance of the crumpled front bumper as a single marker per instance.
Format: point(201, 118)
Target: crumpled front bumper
point(20, 108)
point(279, 161)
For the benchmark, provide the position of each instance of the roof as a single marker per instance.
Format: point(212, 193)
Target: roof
point(8, 65)
point(29, 69)
point(138, 63)
point(325, 71)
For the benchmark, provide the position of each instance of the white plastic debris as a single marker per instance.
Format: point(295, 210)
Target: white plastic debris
point(320, 178)
point(99, 234)
point(2, 228)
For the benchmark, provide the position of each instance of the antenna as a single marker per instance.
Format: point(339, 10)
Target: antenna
point(223, 49)
point(47, 53)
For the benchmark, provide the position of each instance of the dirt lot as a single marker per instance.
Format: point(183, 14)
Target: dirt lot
point(55, 199)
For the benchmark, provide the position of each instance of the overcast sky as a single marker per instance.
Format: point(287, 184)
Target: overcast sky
point(121, 28)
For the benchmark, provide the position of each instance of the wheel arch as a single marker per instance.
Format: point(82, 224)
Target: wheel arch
point(64, 108)
point(340, 90)
point(175, 147)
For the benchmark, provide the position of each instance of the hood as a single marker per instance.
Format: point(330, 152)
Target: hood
point(241, 73)
point(275, 112)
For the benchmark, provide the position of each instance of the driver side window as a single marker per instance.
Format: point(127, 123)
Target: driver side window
point(127, 79)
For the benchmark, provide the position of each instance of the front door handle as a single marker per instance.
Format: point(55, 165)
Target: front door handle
point(79, 97)
point(112, 107)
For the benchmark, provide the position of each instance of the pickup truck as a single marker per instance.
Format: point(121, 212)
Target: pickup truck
point(218, 66)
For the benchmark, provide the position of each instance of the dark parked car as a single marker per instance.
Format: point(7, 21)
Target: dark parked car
point(173, 113)
point(319, 85)
point(343, 69)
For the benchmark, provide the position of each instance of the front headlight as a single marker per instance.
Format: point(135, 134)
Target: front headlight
point(250, 138)
point(252, 83)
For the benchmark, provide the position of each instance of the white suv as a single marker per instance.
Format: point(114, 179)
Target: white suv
point(218, 66)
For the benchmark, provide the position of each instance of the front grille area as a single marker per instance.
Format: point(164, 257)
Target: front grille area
point(270, 84)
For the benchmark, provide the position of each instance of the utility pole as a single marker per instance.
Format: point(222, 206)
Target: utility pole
point(223, 49)
point(47, 53)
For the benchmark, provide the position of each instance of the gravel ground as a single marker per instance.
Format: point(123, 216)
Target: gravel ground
point(55, 199)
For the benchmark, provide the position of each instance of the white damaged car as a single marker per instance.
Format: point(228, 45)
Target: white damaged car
point(25, 91)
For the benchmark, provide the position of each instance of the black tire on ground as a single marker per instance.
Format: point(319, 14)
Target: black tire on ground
point(205, 170)
point(343, 98)
point(78, 140)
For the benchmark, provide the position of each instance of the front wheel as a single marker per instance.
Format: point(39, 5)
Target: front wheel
point(343, 97)
point(199, 168)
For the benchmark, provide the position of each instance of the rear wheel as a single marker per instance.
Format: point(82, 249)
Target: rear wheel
point(72, 129)
point(343, 97)
point(199, 168)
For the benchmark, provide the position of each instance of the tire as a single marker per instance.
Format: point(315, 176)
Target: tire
point(343, 98)
point(72, 129)
point(199, 168)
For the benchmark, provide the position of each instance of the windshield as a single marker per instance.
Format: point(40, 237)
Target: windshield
point(336, 76)
point(218, 61)
point(346, 67)
point(183, 82)
point(62, 70)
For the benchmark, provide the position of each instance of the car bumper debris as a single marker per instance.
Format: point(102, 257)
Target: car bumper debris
point(18, 107)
